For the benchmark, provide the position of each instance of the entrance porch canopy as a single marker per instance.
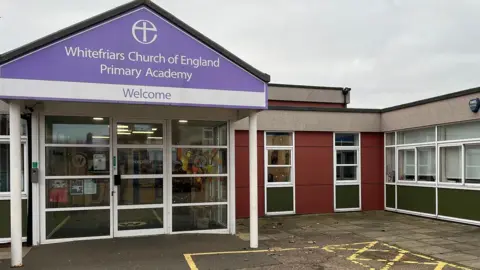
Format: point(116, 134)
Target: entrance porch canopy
point(137, 53)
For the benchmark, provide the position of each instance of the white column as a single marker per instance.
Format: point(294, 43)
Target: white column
point(15, 185)
point(231, 168)
point(253, 161)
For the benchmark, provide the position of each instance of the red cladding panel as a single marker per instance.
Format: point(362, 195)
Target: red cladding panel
point(372, 159)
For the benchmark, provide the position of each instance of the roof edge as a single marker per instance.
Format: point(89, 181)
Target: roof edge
point(112, 13)
point(432, 99)
point(320, 109)
point(307, 86)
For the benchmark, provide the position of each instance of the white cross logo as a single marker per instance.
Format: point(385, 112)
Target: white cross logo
point(144, 26)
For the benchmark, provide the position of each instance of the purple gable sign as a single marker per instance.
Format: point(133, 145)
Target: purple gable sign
point(138, 57)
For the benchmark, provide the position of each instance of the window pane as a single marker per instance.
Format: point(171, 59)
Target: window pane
point(140, 219)
point(77, 161)
point(76, 130)
point(460, 131)
point(279, 174)
point(74, 224)
point(5, 167)
point(139, 133)
point(406, 164)
point(279, 157)
point(193, 218)
point(390, 165)
point(345, 139)
point(426, 164)
point(77, 193)
point(140, 191)
point(5, 125)
point(279, 139)
point(390, 138)
point(199, 132)
point(346, 157)
point(472, 164)
point(416, 136)
point(199, 190)
point(199, 161)
point(346, 173)
point(451, 164)
point(140, 161)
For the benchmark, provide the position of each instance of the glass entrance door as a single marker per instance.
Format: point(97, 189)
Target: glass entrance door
point(139, 182)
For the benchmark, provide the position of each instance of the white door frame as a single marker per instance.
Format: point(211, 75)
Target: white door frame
point(114, 205)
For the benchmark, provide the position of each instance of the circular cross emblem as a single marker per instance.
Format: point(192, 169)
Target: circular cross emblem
point(144, 31)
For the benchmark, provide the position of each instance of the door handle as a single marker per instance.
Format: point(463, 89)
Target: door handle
point(117, 180)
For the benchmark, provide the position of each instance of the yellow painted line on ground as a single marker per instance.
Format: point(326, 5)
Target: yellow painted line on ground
point(193, 266)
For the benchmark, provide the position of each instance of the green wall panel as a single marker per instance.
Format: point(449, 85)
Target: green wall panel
point(417, 199)
point(5, 218)
point(279, 199)
point(347, 196)
point(390, 196)
point(459, 203)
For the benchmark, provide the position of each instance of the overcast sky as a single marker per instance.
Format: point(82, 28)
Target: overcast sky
point(388, 51)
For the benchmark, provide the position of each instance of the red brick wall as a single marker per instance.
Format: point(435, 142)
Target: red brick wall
point(314, 172)
point(372, 171)
point(242, 174)
point(305, 104)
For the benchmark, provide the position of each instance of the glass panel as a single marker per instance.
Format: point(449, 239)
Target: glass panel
point(198, 190)
point(279, 174)
point(140, 219)
point(279, 157)
point(5, 218)
point(5, 125)
point(188, 132)
point(139, 133)
point(77, 193)
point(426, 164)
point(140, 191)
point(199, 161)
point(279, 139)
point(460, 131)
point(406, 164)
point(140, 161)
point(451, 164)
point(77, 161)
point(5, 167)
point(345, 139)
point(390, 165)
point(346, 157)
point(346, 173)
point(77, 130)
point(74, 224)
point(390, 138)
point(472, 164)
point(416, 136)
point(193, 218)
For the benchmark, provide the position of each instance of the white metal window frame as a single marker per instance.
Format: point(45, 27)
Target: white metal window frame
point(116, 207)
point(291, 183)
point(355, 182)
point(5, 195)
point(437, 183)
point(394, 182)
point(415, 164)
point(44, 178)
point(170, 207)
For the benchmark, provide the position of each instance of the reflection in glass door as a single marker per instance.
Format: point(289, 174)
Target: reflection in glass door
point(139, 179)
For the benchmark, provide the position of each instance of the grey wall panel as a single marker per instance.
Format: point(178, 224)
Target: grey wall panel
point(440, 112)
point(314, 121)
point(305, 94)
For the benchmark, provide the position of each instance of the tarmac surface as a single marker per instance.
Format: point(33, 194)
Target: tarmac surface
point(373, 240)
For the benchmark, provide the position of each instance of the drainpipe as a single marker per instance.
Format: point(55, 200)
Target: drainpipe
point(345, 92)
